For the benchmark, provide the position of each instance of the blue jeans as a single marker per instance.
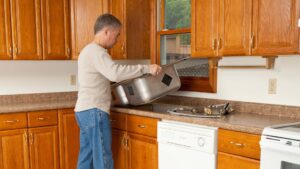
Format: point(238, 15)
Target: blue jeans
point(95, 140)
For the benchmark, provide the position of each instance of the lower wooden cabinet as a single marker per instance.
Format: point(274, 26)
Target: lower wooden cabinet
point(134, 144)
point(29, 147)
point(14, 150)
point(69, 138)
point(229, 161)
point(238, 150)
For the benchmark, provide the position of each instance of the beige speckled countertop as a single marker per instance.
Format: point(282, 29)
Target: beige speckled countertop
point(245, 122)
point(248, 117)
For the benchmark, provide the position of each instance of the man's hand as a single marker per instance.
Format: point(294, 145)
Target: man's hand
point(154, 69)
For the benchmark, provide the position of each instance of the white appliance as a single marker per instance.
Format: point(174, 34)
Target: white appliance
point(186, 146)
point(280, 147)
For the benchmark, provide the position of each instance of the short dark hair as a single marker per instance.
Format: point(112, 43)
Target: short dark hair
point(106, 20)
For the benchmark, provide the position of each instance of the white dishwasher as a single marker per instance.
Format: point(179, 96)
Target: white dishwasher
point(186, 146)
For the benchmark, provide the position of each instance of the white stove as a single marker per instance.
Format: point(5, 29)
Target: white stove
point(280, 147)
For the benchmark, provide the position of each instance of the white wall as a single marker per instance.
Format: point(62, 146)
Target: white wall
point(251, 85)
point(21, 77)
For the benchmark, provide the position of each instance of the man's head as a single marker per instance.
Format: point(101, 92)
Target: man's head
point(107, 30)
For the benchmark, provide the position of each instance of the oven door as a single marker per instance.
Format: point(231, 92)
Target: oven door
point(275, 155)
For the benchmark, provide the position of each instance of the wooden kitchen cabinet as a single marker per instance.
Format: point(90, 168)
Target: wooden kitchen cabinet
point(43, 145)
point(5, 31)
point(134, 145)
point(29, 140)
point(56, 29)
point(83, 17)
point(14, 152)
point(69, 138)
point(26, 29)
point(238, 150)
point(220, 27)
point(275, 30)
point(135, 38)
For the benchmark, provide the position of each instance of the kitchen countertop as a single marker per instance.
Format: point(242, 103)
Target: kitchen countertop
point(239, 120)
point(244, 122)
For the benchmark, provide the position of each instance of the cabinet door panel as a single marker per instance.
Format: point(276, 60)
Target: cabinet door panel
point(117, 9)
point(204, 28)
point(14, 149)
point(275, 27)
point(143, 152)
point(83, 17)
point(226, 161)
point(55, 21)
point(26, 28)
point(234, 27)
point(43, 143)
point(69, 139)
point(118, 149)
point(5, 30)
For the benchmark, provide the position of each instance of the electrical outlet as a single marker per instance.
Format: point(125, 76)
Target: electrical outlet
point(272, 86)
point(73, 80)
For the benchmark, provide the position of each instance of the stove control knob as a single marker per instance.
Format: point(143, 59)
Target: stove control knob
point(201, 141)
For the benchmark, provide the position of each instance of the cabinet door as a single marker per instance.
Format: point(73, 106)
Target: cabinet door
point(83, 17)
point(204, 28)
point(117, 8)
point(234, 27)
point(275, 27)
point(55, 27)
point(138, 18)
point(69, 138)
point(43, 143)
point(5, 30)
point(14, 149)
point(26, 29)
point(226, 161)
point(119, 149)
point(143, 152)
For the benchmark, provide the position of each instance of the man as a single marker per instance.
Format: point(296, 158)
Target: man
point(95, 71)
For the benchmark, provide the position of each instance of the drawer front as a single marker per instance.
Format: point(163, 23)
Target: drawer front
point(142, 125)
point(13, 121)
point(42, 118)
point(118, 120)
point(226, 161)
point(239, 143)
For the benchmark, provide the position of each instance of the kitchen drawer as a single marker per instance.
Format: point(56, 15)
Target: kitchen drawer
point(239, 143)
point(118, 120)
point(42, 118)
point(142, 125)
point(13, 121)
point(226, 161)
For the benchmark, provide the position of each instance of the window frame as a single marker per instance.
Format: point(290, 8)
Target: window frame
point(199, 84)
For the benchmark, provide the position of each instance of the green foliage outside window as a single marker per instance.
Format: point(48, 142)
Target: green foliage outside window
point(177, 14)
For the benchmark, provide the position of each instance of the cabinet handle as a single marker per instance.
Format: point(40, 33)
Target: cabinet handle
point(214, 44)
point(30, 138)
point(125, 142)
point(25, 137)
point(123, 49)
point(16, 50)
point(237, 144)
point(142, 126)
point(43, 118)
point(11, 121)
point(68, 51)
point(219, 43)
point(252, 41)
point(10, 51)
point(113, 120)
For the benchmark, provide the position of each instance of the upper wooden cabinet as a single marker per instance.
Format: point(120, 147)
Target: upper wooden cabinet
point(135, 39)
point(223, 27)
point(56, 29)
point(34, 29)
point(275, 28)
point(26, 29)
point(5, 31)
point(83, 17)
point(220, 27)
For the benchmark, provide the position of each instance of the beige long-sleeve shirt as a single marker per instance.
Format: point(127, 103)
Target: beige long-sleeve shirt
point(95, 71)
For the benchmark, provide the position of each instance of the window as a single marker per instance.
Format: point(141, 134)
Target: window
point(174, 43)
